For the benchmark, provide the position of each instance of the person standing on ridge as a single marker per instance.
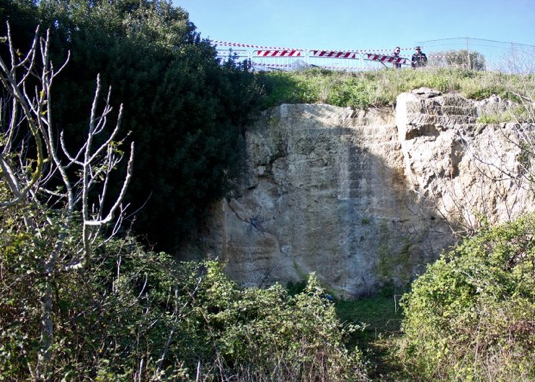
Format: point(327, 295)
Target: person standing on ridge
point(419, 59)
point(396, 65)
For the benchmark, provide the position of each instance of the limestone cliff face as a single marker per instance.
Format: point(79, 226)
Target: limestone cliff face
point(463, 169)
point(365, 198)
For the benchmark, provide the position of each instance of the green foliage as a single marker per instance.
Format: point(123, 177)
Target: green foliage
point(129, 314)
point(381, 87)
point(315, 85)
point(21, 13)
point(268, 334)
point(106, 320)
point(281, 87)
point(378, 314)
point(516, 114)
point(138, 315)
point(470, 317)
point(184, 110)
point(294, 288)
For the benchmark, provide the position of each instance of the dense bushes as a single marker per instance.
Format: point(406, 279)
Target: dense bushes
point(471, 316)
point(136, 315)
point(459, 58)
point(185, 111)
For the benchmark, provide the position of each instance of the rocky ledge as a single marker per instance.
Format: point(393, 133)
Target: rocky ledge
point(367, 198)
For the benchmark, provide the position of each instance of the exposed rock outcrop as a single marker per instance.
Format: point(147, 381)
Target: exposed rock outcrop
point(365, 198)
point(463, 169)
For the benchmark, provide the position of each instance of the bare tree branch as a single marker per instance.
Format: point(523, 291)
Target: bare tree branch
point(32, 156)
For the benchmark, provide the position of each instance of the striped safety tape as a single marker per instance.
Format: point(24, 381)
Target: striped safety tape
point(226, 43)
point(271, 65)
point(241, 45)
point(382, 58)
point(278, 53)
point(342, 67)
point(333, 54)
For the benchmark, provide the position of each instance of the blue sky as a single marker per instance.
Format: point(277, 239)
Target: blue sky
point(361, 24)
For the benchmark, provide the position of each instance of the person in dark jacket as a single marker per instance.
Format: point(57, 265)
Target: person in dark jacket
point(419, 59)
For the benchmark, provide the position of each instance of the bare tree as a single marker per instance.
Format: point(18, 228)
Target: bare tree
point(518, 59)
point(34, 158)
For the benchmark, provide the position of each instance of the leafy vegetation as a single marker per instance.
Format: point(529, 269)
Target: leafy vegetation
point(380, 315)
point(470, 317)
point(380, 88)
point(184, 110)
point(136, 315)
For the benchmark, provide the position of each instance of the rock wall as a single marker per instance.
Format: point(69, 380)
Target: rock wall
point(364, 198)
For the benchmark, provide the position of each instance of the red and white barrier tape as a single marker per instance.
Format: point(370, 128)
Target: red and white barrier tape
point(382, 58)
point(236, 44)
point(269, 65)
point(226, 43)
point(332, 54)
point(342, 67)
point(278, 53)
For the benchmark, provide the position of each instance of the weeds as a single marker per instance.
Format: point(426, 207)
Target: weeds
point(380, 317)
point(381, 87)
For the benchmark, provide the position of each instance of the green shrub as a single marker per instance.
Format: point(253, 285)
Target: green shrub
point(106, 319)
point(471, 316)
point(184, 110)
point(138, 315)
point(267, 334)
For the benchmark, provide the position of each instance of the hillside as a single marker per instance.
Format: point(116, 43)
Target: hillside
point(380, 88)
point(314, 199)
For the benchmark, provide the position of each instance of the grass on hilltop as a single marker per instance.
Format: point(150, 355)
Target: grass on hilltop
point(381, 87)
